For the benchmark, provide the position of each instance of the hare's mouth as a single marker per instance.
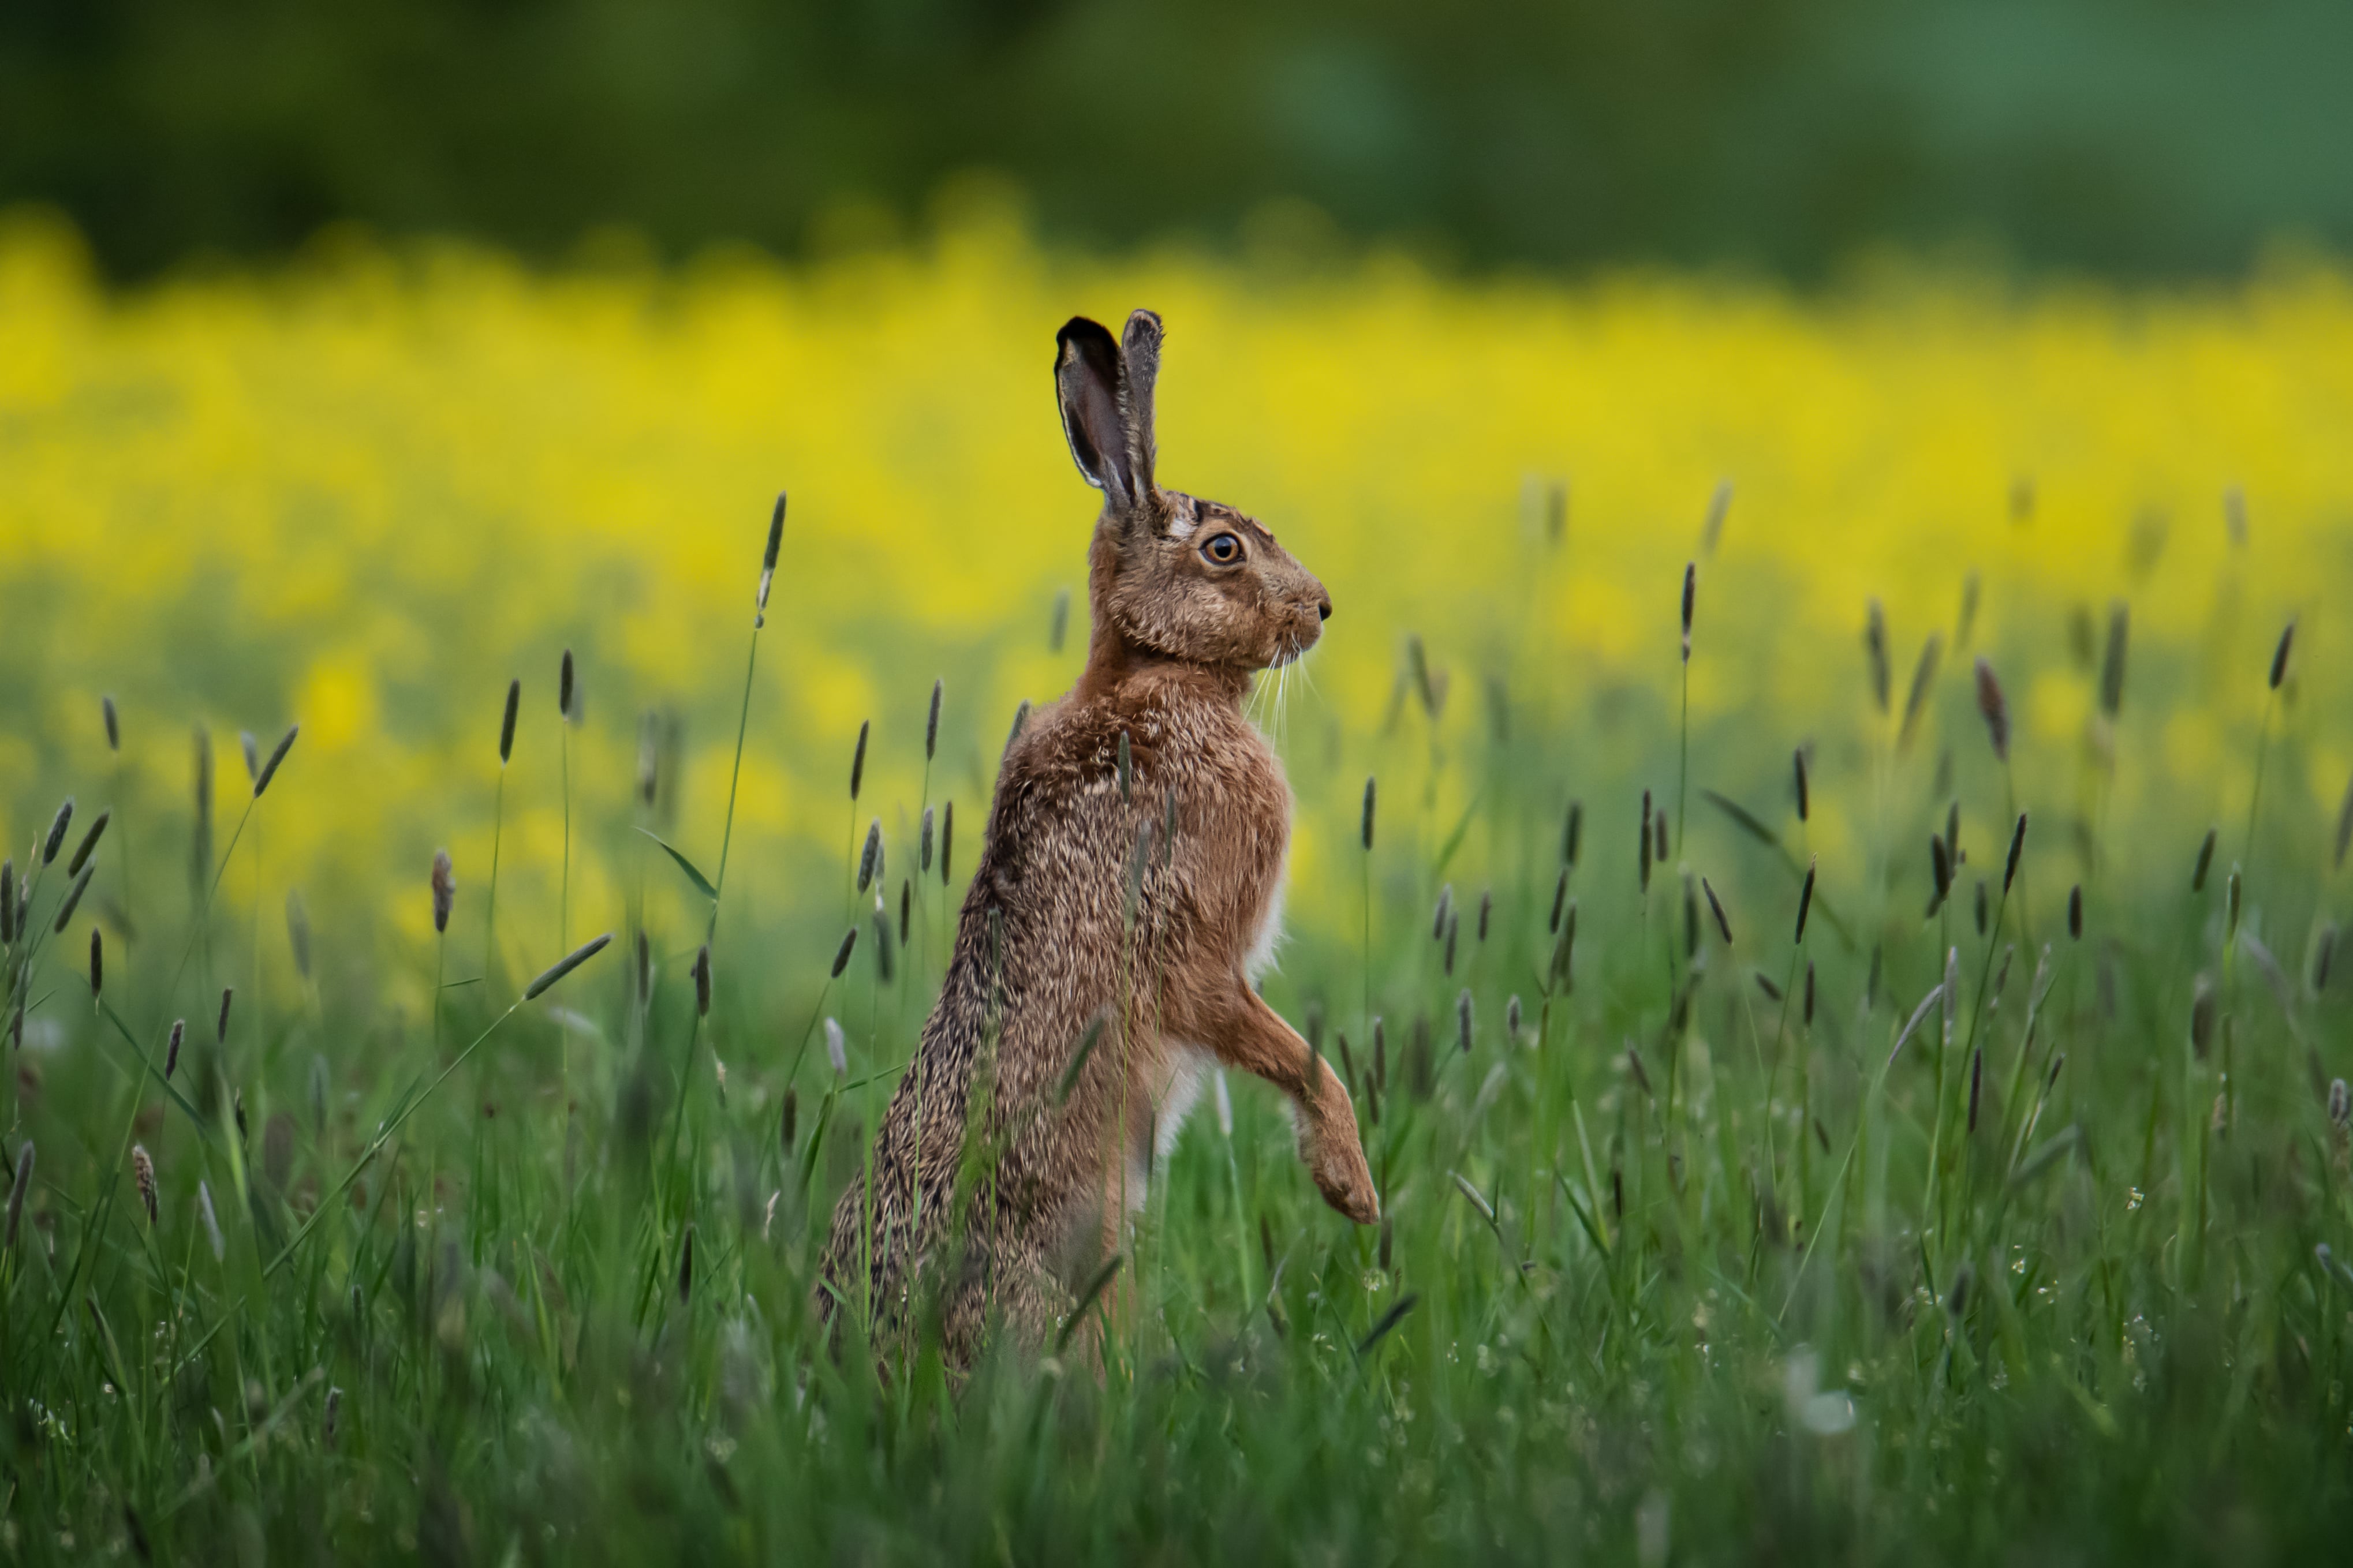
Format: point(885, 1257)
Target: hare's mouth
point(1291, 647)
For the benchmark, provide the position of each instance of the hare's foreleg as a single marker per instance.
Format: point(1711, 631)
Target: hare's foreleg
point(1252, 1037)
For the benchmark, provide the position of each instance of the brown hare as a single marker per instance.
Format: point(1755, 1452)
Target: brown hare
point(1130, 885)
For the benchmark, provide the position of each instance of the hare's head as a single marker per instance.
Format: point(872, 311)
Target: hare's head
point(1170, 573)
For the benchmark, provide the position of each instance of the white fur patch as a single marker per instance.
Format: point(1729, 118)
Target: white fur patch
point(1260, 957)
point(1189, 1069)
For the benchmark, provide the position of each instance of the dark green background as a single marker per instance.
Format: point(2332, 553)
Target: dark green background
point(2130, 137)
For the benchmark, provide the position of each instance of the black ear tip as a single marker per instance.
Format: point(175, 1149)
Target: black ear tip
point(1084, 330)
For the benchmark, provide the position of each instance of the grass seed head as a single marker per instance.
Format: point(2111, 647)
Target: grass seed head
point(298, 932)
point(906, 908)
point(1643, 848)
point(2340, 1104)
point(56, 840)
point(2112, 663)
point(686, 1265)
point(1365, 830)
point(649, 757)
point(277, 756)
point(1690, 919)
point(1977, 1081)
point(1573, 835)
point(142, 1172)
point(1564, 952)
point(2017, 849)
point(1923, 681)
point(1445, 908)
point(220, 1033)
point(2205, 862)
point(1659, 825)
point(1981, 907)
point(703, 981)
point(2075, 912)
point(1874, 643)
point(1463, 1019)
point(1806, 900)
point(885, 959)
point(73, 899)
point(1691, 588)
point(1805, 799)
point(88, 845)
point(2231, 903)
point(1809, 994)
point(171, 1047)
point(768, 561)
point(1560, 900)
point(947, 840)
point(931, 722)
point(787, 1123)
point(1511, 1015)
point(870, 858)
point(841, 955)
point(1719, 506)
point(1716, 908)
point(445, 890)
point(1487, 910)
point(837, 1048)
point(2279, 655)
point(1996, 709)
point(1454, 928)
point(2201, 1014)
point(114, 724)
point(97, 962)
point(563, 677)
point(923, 843)
point(566, 965)
point(2344, 827)
point(507, 723)
point(858, 760)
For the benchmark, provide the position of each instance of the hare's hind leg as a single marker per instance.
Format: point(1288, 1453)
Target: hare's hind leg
point(1002, 1285)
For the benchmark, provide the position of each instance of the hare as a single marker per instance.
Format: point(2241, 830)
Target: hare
point(1130, 886)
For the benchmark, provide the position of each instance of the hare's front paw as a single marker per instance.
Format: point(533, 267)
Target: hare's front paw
point(1335, 1158)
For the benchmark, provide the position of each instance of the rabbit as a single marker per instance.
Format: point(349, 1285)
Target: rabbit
point(1143, 903)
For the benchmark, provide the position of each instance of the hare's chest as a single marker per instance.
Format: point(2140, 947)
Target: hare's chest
point(1260, 831)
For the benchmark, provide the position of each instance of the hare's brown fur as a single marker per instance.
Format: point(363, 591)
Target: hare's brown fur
point(991, 1194)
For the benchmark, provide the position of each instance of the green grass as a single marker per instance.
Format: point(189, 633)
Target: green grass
point(1677, 1274)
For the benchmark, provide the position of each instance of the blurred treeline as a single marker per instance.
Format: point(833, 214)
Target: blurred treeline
point(2130, 137)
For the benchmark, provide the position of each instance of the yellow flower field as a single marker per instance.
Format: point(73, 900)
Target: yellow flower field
point(362, 491)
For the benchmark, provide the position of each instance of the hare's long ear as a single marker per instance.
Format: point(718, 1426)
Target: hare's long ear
point(1140, 356)
point(1087, 376)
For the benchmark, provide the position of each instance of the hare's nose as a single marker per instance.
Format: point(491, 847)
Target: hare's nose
point(1323, 608)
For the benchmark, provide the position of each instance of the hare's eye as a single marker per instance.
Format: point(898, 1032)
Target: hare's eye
point(1224, 549)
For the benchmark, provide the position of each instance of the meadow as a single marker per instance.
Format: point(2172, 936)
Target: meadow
point(1820, 841)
